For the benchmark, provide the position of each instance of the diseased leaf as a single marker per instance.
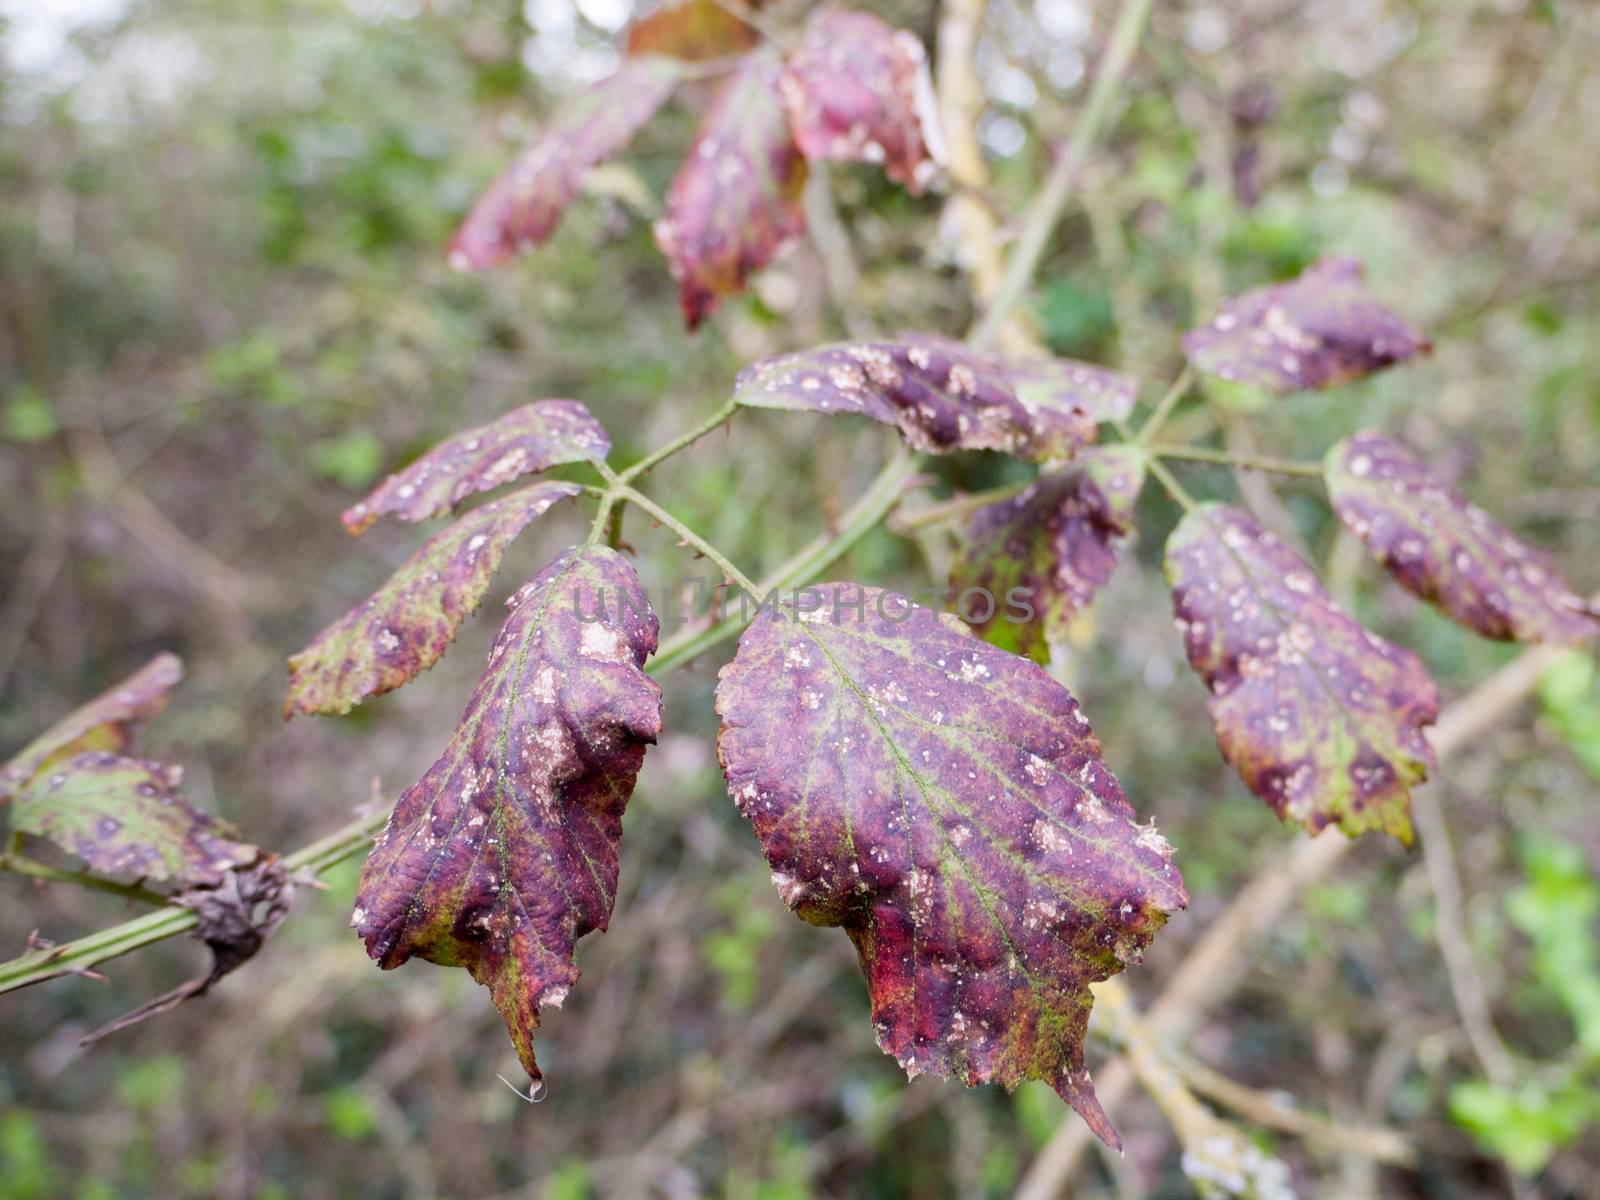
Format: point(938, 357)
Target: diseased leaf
point(1321, 718)
point(124, 816)
point(736, 200)
point(1312, 332)
point(691, 31)
point(946, 804)
point(522, 207)
point(505, 853)
point(404, 627)
point(1049, 549)
point(942, 396)
point(527, 440)
point(1447, 550)
point(105, 723)
point(858, 90)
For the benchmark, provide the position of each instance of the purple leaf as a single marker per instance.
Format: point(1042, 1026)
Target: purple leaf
point(106, 723)
point(533, 438)
point(404, 627)
point(1449, 551)
point(1322, 719)
point(1050, 548)
point(736, 200)
point(505, 853)
point(858, 90)
point(522, 207)
point(944, 397)
point(947, 805)
point(1313, 332)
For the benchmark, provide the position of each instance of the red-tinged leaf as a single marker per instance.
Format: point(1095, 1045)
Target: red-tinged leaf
point(1318, 330)
point(1321, 718)
point(946, 804)
point(124, 816)
point(736, 200)
point(1449, 551)
point(858, 90)
point(527, 440)
point(942, 396)
point(106, 723)
point(1048, 550)
point(404, 627)
point(522, 207)
point(691, 31)
point(505, 853)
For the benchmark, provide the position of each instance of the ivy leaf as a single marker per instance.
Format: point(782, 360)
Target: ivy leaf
point(522, 207)
point(736, 200)
point(946, 804)
point(1447, 550)
point(1321, 718)
point(124, 816)
point(525, 441)
point(858, 90)
point(505, 853)
point(106, 723)
point(404, 627)
point(691, 31)
point(942, 396)
point(1050, 548)
point(1315, 331)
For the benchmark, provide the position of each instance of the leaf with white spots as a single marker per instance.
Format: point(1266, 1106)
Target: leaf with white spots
point(404, 627)
point(736, 199)
point(1447, 550)
point(1321, 718)
point(943, 396)
point(106, 723)
point(504, 853)
point(858, 90)
point(525, 441)
point(691, 31)
point(1317, 330)
point(1050, 549)
point(522, 207)
point(124, 816)
point(946, 803)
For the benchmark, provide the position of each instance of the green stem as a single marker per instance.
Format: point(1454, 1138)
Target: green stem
point(952, 510)
point(681, 442)
point(1248, 462)
point(1164, 407)
point(1046, 208)
point(1169, 481)
point(21, 864)
point(689, 536)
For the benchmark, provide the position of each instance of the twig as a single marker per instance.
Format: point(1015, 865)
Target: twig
point(1046, 208)
point(1242, 461)
point(832, 242)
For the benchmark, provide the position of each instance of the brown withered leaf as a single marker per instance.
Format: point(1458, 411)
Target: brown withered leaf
point(691, 31)
point(944, 397)
point(1321, 718)
point(736, 200)
point(1447, 550)
point(1317, 330)
point(1050, 549)
point(404, 627)
point(106, 723)
point(522, 207)
point(858, 90)
point(946, 803)
point(504, 853)
point(124, 816)
point(525, 441)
